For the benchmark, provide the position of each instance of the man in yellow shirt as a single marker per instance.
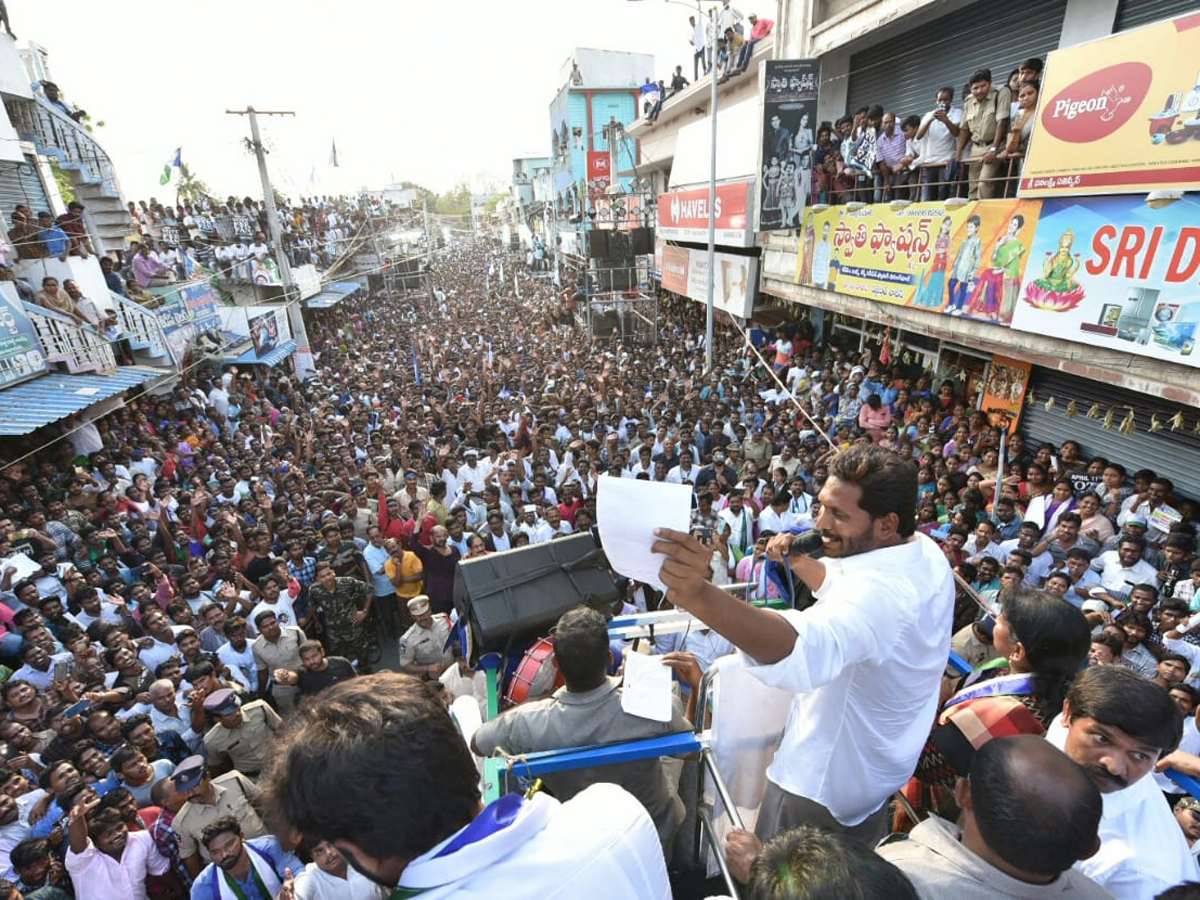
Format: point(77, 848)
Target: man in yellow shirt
point(405, 570)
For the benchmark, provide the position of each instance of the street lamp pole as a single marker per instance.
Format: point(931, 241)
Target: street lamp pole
point(712, 196)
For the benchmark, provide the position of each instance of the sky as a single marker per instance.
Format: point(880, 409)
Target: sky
point(425, 92)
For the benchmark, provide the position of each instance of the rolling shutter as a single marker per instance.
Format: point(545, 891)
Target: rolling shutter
point(1170, 453)
point(904, 72)
point(1135, 13)
point(21, 183)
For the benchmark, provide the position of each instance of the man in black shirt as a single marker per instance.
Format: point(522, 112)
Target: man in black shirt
point(319, 672)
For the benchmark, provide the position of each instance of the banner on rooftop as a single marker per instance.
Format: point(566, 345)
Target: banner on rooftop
point(967, 261)
point(685, 271)
point(1119, 115)
point(789, 118)
point(1114, 273)
point(20, 352)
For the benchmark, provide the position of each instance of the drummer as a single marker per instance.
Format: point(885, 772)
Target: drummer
point(423, 649)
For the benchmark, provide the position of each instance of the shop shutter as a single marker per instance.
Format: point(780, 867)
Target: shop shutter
point(1135, 13)
point(904, 72)
point(1171, 453)
point(21, 183)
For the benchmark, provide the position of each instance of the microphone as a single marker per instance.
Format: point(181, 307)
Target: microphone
point(808, 544)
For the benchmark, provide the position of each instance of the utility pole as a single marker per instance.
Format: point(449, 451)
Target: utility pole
point(303, 362)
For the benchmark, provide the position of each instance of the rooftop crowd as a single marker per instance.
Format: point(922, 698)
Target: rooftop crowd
point(169, 245)
point(970, 143)
point(196, 587)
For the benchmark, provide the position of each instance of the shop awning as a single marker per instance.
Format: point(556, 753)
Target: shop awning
point(28, 406)
point(333, 294)
point(272, 358)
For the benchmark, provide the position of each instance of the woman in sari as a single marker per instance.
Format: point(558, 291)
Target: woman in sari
point(1043, 641)
point(996, 288)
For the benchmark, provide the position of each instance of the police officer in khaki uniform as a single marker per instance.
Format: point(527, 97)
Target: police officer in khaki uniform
point(241, 738)
point(421, 647)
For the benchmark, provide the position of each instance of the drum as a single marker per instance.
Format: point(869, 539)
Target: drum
point(536, 676)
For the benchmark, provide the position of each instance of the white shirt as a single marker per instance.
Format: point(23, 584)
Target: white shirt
point(97, 876)
point(993, 550)
point(678, 476)
point(769, 520)
point(241, 665)
point(1142, 848)
point(866, 666)
point(1116, 577)
point(315, 884)
point(599, 845)
point(741, 528)
point(939, 145)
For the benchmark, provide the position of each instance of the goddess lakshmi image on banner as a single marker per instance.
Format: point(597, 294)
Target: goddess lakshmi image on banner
point(1057, 290)
point(998, 285)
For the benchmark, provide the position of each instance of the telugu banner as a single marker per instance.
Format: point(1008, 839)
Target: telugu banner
point(789, 120)
point(1113, 272)
point(1119, 115)
point(965, 261)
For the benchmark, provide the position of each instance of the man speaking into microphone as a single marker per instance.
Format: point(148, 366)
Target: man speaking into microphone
point(864, 661)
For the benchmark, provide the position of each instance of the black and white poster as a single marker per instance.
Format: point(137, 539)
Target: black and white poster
point(788, 135)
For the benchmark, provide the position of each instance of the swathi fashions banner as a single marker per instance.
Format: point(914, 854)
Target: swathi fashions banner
point(1113, 272)
point(967, 261)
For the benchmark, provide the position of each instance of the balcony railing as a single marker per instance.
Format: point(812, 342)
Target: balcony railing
point(79, 348)
point(139, 326)
point(51, 129)
point(939, 181)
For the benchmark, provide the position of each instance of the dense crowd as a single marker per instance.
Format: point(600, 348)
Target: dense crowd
point(183, 577)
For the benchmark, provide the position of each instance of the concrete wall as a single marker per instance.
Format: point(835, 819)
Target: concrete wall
point(608, 68)
point(14, 79)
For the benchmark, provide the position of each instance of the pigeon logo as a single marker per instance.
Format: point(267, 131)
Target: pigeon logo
point(675, 208)
point(1098, 104)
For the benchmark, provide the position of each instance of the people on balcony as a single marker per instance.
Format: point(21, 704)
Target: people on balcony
point(53, 238)
point(148, 271)
point(51, 92)
point(111, 278)
point(759, 29)
point(26, 237)
point(938, 134)
point(52, 298)
point(701, 41)
point(72, 223)
point(983, 134)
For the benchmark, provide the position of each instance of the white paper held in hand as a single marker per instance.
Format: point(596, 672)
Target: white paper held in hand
point(647, 690)
point(628, 511)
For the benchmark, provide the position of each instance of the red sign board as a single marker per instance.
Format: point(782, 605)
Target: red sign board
point(598, 175)
point(683, 215)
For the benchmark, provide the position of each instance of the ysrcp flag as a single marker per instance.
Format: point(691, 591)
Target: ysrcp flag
point(173, 162)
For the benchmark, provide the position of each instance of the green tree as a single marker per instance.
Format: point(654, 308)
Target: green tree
point(456, 201)
point(189, 186)
point(66, 187)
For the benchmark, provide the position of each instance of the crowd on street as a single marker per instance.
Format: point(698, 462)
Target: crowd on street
point(196, 588)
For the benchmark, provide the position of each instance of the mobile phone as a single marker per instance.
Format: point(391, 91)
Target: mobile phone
point(76, 709)
point(61, 670)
